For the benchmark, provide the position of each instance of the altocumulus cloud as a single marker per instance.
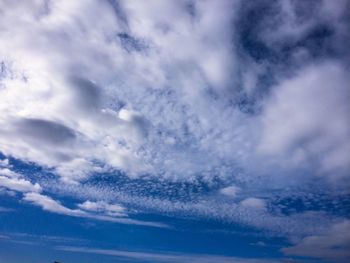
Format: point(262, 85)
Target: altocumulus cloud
point(168, 92)
point(73, 96)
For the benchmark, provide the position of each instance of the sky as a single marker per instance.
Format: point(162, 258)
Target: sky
point(174, 131)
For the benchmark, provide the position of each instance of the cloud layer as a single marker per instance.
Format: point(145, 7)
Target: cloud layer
point(167, 107)
point(141, 94)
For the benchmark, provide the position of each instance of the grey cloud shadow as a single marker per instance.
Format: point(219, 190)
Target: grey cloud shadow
point(87, 93)
point(45, 130)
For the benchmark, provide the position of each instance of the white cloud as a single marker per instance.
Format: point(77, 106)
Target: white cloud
point(48, 204)
point(230, 190)
point(101, 206)
point(51, 205)
point(254, 203)
point(9, 173)
point(67, 117)
point(305, 121)
point(4, 191)
point(99, 106)
point(18, 184)
point(79, 100)
point(15, 182)
point(61, 119)
point(164, 256)
point(4, 163)
point(332, 244)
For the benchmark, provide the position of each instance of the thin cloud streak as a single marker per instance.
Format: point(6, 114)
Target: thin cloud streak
point(164, 257)
point(48, 204)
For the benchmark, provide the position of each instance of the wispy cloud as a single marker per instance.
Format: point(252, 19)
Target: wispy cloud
point(49, 204)
point(43, 240)
point(333, 244)
point(101, 206)
point(16, 182)
point(4, 237)
point(163, 256)
point(5, 209)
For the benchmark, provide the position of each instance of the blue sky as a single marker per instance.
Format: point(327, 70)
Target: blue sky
point(174, 131)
